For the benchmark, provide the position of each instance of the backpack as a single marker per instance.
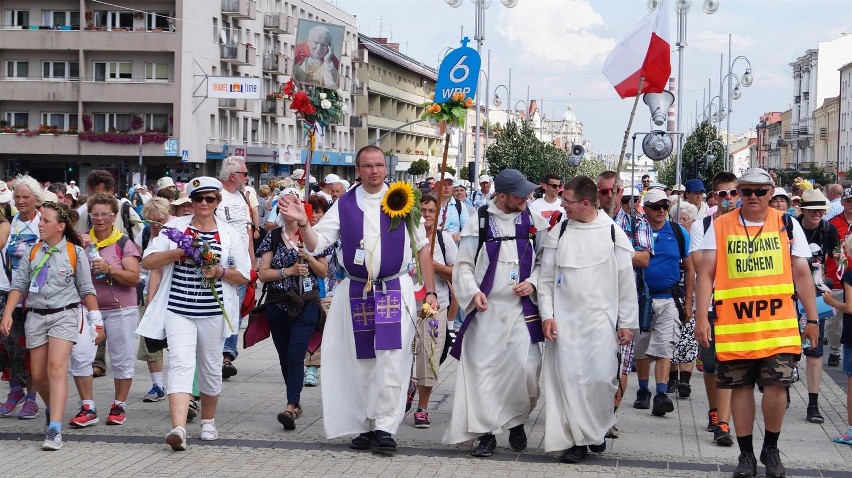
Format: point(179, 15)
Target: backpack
point(788, 225)
point(72, 253)
point(125, 217)
point(484, 220)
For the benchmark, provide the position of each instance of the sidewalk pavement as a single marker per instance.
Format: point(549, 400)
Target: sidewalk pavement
point(251, 440)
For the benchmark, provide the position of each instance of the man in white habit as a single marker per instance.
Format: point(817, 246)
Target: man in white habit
point(587, 299)
point(500, 359)
point(367, 339)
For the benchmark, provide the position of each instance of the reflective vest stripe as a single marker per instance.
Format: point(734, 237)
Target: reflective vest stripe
point(740, 292)
point(755, 326)
point(752, 335)
point(748, 346)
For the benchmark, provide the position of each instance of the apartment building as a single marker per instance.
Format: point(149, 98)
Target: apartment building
point(826, 122)
point(844, 147)
point(123, 85)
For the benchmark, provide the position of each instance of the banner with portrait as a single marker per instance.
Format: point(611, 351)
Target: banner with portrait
point(319, 47)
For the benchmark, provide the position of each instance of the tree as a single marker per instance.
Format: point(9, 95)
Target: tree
point(464, 172)
point(419, 167)
point(450, 170)
point(695, 149)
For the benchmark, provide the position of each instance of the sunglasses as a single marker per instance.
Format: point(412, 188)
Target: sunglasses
point(626, 199)
point(554, 186)
point(726, 192)
point(207, 199)
point(748, 192)
point(657, 207)
point(606, 191)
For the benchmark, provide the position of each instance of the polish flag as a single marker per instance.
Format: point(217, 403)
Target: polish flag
point(646, 51)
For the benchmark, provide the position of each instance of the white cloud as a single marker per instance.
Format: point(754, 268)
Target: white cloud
point(562, 31)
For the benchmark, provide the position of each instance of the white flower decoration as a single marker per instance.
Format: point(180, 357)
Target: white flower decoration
point(323, 96)
point(325, 104)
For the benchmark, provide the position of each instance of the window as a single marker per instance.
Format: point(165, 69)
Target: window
point(113, 71)
point(57, 19)
point(156, 71)
point(18, 18)
point(113, 19)
point(112, 121)
point(17, 69)
point(223, 128)
point(215, 30)
point(63, 121)
point(157, 20)
point(156, 122)
point(235, 128)
point(60, 70)
point(18, 120)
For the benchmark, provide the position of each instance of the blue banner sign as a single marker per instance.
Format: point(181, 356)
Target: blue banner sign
point(459, 72)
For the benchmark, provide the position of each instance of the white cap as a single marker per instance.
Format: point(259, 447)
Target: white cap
point(5, 194)
point(165, 182)
point(484, 179)
point(345, 184)
point(298, 174)
point(332, 179)
point(654, 196)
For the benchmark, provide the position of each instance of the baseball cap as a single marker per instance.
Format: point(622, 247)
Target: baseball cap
point(512, 181)
point(165, 182)
point(847, 193)
point(756, 176)
point(298, 174)
point(779, 191)
point(332, 179)
point(694, 186)
point(5, 193)
point(484, 179)
point(72, 182)
point(634, 192)
point(448, 175)
point(654, 196)
point(203, 184)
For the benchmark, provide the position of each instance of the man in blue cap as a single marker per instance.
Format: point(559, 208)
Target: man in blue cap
point(695, 196)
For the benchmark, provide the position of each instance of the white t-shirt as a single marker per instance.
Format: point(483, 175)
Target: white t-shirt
point(441, 287)
point(545, 209)
point(235, 211)
point(800, 241)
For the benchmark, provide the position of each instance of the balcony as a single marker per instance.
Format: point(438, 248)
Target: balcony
point(238, 54)
point(823, 133)
point(358, 88)
point(360, 56)
point(276, 64)
point(273, 108)
point(805, 131)
point(232, 104)
point(37, 89)
point(134, 91)
point(278, 23)
point(51, 145)
point(239, 9)
point(57, 40)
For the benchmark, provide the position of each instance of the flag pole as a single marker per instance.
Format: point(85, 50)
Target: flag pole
point(624, 143)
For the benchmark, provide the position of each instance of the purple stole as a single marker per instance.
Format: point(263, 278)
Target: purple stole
point(377, 314)
point(525, 256)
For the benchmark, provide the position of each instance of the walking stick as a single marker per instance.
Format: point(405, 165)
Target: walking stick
point(440, 189)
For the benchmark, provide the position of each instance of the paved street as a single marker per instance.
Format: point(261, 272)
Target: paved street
point(253, 444)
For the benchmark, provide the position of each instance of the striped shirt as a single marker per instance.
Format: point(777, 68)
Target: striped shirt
point(188, 295)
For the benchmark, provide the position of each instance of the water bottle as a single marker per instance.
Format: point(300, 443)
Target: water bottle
point(93, 253)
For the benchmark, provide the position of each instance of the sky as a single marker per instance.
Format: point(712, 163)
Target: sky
point(557, 49)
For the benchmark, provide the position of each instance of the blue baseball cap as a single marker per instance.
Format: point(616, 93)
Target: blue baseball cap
point(512, 181)
point(694, 186)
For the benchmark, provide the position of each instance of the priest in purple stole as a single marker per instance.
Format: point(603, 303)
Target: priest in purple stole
point(367, 354)
point(498, 345)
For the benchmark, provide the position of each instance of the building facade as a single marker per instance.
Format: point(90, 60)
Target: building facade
point(844, 140)
point(826, 122)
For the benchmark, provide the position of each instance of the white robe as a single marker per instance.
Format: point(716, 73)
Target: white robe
point(595, 296)
point(363, 395)
point(497, 377)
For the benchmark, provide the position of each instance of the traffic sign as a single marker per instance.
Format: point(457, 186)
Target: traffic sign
point(459, 72)
point(184, 156)
point(172, 147)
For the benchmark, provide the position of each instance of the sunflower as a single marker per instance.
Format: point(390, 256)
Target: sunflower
point(398, 200)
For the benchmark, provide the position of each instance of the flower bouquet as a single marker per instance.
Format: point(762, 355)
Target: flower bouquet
point(428, 312)
point(401, 201)
point(451, 112)
point(317, 106)
point(197, 252)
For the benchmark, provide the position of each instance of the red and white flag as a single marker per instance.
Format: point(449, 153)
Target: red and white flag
point(646, 51)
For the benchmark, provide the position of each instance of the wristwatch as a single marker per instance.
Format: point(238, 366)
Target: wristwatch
point(431, 293)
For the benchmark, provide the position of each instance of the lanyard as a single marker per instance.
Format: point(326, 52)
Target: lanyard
point(748, 238)
point(44, 260)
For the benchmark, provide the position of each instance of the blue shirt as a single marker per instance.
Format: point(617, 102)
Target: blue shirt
point(663, 271)
point(450, 219)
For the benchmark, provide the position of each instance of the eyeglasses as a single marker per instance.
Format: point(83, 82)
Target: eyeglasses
point(244, 173)
point(626, 199)
point(748, 192)
point(723, 193)
point(102, 215)
point(555, 186)
point(657, 207)
point(207, 199)
point(571, 202)
point(815, 212)
point(606, 191)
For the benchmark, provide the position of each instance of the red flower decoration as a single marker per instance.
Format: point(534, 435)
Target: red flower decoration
point(533, 231)
point(289, 88)
point(302, 104)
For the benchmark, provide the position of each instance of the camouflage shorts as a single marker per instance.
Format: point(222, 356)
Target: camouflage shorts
point(775, 370)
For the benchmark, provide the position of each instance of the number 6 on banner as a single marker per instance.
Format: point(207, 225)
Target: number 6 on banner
point(454, 75)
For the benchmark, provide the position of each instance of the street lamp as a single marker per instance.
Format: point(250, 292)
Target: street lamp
point(747, 80)
point(497, 101)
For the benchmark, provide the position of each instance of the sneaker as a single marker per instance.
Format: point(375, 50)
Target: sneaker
point(155, 394)
point(117, 415)
point(208, 430)
point(13, 399)
point(52, 440)
point(228, 369)
point(612, 432)
point(683, 390)
point(712, 420)
point(412, 389)
point(84, 418)
point(662, 405)
point(844, 439)
point(177, 439)
point(833, 360)
point(671, 386)
point(485, 447)
point(813, 415)
point(311, 376)
point(29, 410)
point(643, 399)
point(747, 466)
point(192, 411)
point(518, 438)
point(771, 459)
point(722, 435)
point(421, 419)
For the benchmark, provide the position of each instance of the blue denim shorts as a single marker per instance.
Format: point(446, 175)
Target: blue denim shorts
point(847, 360)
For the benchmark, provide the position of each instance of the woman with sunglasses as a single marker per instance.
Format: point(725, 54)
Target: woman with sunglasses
point(54, 275)
point(188, 313)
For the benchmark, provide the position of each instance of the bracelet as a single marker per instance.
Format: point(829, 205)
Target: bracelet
point(431, 293)
point(223, 273)
point(283, 274)
point(815, 322)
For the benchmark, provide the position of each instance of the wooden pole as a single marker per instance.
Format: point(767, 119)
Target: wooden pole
point(311, 145)
point(440, 184)
point(624, 144)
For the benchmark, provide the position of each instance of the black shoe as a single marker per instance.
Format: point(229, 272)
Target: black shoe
point(684, 390)
point(722, 435)
point(228, 369)
point(813, 415)
point(575, 454)
point(612, 432)
point(662, 405)
point(833, 360)
point(385, 444)
point(192, 411)
point(598, 448)
point(363, 441)
point(671, 386)
point(771, 459)
point(643, 399)
point(486, 446)
point(518, 438)
point(747, 466)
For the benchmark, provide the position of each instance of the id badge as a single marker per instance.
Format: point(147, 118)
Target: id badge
point(34, 288)
point(560, 279)
point(514, 276)
point(307, 284)
point(359, 257)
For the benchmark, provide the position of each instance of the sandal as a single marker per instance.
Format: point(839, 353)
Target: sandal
point(298, 411)
point(288, 419)
point(98, 372)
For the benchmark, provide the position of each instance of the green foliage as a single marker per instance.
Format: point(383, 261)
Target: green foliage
point(419, 167)
point(666, 172)
point(451, 170)
point(518, 148)
point(463, 172)
point(816, 175)
point(694, 150)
